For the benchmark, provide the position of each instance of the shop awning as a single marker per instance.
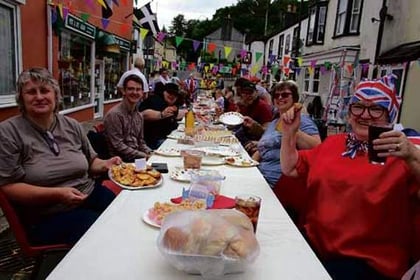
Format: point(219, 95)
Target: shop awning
point(401, 53)
point(107, 43)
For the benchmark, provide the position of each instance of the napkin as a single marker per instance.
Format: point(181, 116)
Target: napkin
point(221, 202)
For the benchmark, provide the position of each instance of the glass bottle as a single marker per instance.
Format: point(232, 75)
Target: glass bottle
point(189, 122)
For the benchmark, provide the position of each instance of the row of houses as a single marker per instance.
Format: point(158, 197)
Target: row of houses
point(344, 41)
point(87, 45)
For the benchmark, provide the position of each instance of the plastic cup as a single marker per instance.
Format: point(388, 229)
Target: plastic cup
point(192, 159)
point(374, 132)
point(250, 206)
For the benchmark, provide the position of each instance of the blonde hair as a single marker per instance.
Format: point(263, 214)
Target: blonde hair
point(40, 75)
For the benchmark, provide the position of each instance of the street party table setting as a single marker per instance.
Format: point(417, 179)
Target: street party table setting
point(126, 241)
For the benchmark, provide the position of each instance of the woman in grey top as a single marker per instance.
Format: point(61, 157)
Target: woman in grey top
point(47, 163)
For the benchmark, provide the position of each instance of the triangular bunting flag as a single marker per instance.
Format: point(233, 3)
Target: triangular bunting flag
point(53, 16)
point(286, 71)
point(102, 3)
point(65, 13)
point(350, 69)
point(206, 68)
point(254, 68)
point(143, 33)
point(84, 17)
point(227, 51)
point(90, 4)
point(274, 70)
point(243, 53)
point(211, 47)
point(125, 27)
point(264, 70)
point(124, 2)
point(297, 70)
point(116, 2)
point(258, 55)
point(178, 40)
point(286, 60)
point(313, 63)
point(105, 23)
point(299, 61)
point(196, 44)
point(60, 9)
point(310, 70)
point(160, 36)
point(191, 66)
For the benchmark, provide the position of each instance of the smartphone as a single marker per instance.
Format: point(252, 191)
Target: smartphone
point(162, 167)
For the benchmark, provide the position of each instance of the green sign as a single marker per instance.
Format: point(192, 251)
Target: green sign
point(123, 43)
point(78, 25)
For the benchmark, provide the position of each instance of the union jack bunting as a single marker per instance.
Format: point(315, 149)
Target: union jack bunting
point(381, 92)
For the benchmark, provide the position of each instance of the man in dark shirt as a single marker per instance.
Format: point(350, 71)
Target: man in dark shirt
point(160, 112)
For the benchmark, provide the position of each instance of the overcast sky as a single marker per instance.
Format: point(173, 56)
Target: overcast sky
point(166, 10)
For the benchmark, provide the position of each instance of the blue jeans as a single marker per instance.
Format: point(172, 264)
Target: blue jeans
point(67, 227)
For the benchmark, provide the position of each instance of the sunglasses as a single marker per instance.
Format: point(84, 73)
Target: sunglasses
point(52, 144)
point(283, 94)
point(375, 112)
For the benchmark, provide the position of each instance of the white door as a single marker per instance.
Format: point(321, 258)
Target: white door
point(99, 88)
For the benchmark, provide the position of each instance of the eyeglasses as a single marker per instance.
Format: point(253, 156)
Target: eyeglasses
point(375, 112)
point(133, 89)
point(283, 94)
point(52, 144)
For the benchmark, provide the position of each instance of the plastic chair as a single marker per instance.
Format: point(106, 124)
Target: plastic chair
point(98, 141)
point(19, 232)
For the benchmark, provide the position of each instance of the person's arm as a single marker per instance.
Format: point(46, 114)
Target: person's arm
point(155, 115)
point(99, 166)
point(288, 151)
point(31, 195)
point(256, 156)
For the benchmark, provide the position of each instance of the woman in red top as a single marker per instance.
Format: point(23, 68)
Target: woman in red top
point(358, 217)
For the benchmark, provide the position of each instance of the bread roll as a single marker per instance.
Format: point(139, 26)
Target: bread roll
point(212, 233)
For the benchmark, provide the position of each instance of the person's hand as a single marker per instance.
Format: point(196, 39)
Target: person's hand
point(291, 120)
point(112, 161)
point(248, 122)
point(394, 143)
point(70, 196)
point(169, 111)
point(251, 147)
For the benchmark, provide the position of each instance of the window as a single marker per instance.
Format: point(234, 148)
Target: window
point(316, 24)
point(9, 49)
point(397, 70)
point(270, 47)
point(281, 47)
point(311, 84)
point(287, 46)
point(295, 43)
point(348, 17)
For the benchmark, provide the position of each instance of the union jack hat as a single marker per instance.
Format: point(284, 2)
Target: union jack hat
point(381, 92)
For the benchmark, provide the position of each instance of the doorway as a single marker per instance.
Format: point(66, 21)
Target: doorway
point(99, 88)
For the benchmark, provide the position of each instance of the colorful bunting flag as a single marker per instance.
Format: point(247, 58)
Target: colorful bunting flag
point(84, 17)
point(313, 63)
point(105, 23)
point(286, 60)
point(196, 44)
point(258, 55)
point(243, 53)
point(125, 27)
point(211, 47)
point(160, 36)
point(143, 33)
point(178, 40)
point(65, 13)
point(228, 50)
point(300, 61)
point(102, 3)
point(147, 18)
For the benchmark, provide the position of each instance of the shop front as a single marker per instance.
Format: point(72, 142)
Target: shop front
point(90, 64)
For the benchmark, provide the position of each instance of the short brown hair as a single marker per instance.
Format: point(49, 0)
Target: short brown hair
point(41, 75)
point(288, 84)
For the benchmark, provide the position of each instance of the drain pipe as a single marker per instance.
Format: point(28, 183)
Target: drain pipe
point(382, 16)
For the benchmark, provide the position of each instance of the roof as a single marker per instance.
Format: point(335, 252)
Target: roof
point(401, 53)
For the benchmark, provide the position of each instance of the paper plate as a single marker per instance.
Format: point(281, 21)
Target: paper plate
point(149, 221)
point(180, 175)
point(241, 162)
point(231, 118)
point(168, 152)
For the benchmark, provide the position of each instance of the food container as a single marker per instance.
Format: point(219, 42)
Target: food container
point(208, 242)
point(211, 180)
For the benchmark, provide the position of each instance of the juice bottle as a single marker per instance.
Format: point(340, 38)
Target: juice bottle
point(189, 122)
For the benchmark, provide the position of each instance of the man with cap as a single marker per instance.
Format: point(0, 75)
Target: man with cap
point(256, 111)
point(161, 112)
point(124, 123)
point(358, 216)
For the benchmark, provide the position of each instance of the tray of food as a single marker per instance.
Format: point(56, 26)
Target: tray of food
point(127, 177)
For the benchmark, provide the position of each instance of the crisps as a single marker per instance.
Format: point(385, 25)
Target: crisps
point(126, 174)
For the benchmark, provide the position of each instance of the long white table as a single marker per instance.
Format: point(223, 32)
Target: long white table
point(121, 246)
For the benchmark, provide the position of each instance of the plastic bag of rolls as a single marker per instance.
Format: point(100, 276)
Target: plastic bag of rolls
point(208, 242)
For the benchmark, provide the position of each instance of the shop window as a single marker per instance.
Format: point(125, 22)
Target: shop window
point(348, 16)
point(75, 70)
point(316, 25)
point(113, 71)
point(9, 49)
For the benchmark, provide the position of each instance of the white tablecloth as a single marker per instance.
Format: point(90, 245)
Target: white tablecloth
point(121, 246)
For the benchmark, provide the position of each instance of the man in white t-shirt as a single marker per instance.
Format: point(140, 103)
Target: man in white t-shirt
point(138, 67)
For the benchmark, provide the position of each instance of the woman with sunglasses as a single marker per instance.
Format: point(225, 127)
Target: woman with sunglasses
point(47, 163)
point(358, 215)
point(285, 95)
